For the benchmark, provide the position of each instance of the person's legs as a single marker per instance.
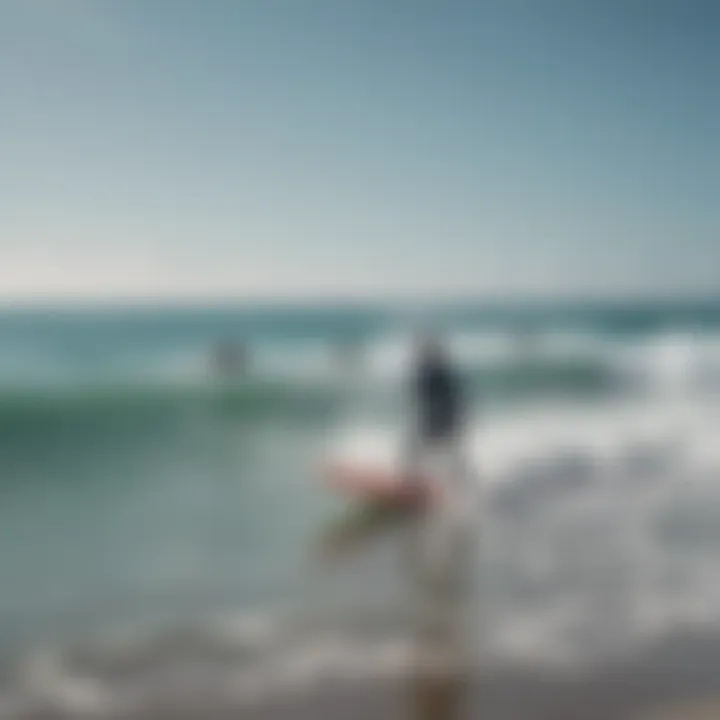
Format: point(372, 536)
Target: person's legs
point(433, 459)
point(412, 460)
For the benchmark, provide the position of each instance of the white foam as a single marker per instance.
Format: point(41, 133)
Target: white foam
point(47, 680)
point(654, 469)
point(605, 435)
point(251, 629)
point(669, 362)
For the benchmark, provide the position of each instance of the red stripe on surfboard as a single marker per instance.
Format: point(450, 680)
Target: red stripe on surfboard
point(375, 484)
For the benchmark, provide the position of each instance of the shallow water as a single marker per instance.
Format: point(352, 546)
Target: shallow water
point(163, 532)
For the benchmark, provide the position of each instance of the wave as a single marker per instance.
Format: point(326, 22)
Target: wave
point(34, 363)
point(194, 668)
point(252, 401)
point(286, 375)
point(608, 432)
point(599, 525)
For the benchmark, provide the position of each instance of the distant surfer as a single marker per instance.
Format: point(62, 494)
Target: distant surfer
point(437, 396)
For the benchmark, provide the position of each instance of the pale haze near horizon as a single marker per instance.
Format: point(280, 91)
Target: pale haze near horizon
point(320, 149)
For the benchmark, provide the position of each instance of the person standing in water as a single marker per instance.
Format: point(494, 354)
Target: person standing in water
point(438, 407)
point(442, 546)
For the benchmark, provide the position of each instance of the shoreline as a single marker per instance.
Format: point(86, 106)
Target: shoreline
point(675, 678)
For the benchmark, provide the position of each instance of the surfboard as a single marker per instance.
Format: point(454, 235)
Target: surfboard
point(375, 485)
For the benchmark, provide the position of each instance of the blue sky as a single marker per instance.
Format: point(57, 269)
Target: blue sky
point(233, 148)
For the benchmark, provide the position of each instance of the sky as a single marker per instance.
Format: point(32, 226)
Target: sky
point(329, 148)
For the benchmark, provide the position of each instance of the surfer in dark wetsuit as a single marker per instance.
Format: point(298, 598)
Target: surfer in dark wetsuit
point(437, 395)
point(437, 391)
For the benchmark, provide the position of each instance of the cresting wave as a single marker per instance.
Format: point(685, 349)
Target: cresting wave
point(310, 374)
point(229, 663)
point(601, 524)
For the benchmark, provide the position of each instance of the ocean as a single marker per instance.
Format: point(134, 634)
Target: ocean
point(165, 533)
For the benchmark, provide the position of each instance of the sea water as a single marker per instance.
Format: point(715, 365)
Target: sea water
point(163, 528)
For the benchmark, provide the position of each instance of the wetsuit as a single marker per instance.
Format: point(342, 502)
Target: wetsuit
point(437, 391)
point(438, 416)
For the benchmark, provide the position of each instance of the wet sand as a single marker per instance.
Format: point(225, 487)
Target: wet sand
point(676, 679)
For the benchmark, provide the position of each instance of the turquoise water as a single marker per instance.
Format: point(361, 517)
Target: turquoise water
point(138, 489)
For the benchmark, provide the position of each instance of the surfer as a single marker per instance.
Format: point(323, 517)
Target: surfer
point(437, 395)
